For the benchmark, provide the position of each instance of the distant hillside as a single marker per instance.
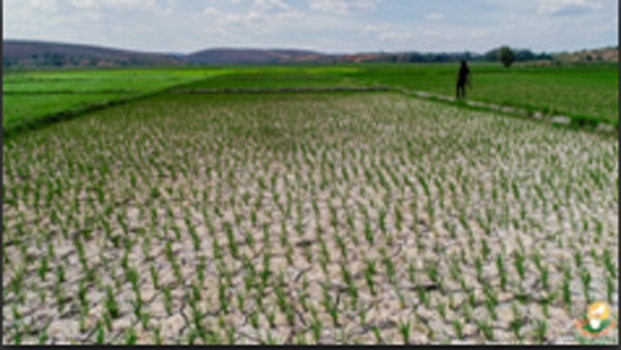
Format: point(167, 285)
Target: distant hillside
point(33, 54)
point(609, 54)
point(250, 56)
point(37, 53)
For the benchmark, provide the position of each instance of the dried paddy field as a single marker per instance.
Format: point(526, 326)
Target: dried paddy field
point(305, 218)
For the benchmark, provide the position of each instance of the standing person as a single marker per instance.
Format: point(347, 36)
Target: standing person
point(463, 77)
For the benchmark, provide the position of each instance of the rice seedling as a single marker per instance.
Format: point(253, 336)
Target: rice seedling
point(368, 234)
point(101, 333)
point(459, 331)
point(585, 277)
point(390, 269)
point(502, 273)
point(478, 264)
point(290, 315)
point(230, 334)
point(610, 286)
point(441, 308)
point(411, 273)
point(578, 258)
point(342, 246)
point(130, 336)
point(610, 266)
point(253, 317)
point(491, 301)
point(17, 335)
point(15, 311)
point(404, 329)
point(485, 328)
point(541, 328)
point(43, 268)
point(423, 296)
point(316, 325)
point(518, 263)
point(567, 289)
point(377, 334)
point(233, 246)
point(167, 299)
point(111, 305)
point(544, 277)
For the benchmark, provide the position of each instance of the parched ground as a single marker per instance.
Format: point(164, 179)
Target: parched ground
point(344, 218)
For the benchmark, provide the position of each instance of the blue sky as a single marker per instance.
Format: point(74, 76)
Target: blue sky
point(331, 26)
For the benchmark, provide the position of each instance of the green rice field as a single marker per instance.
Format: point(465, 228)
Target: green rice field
point(306, 218)
point(579, 91)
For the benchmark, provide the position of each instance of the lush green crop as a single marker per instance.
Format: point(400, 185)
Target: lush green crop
point(569, 90)
point(16, 107)
point(30, 95)
point(584, 91)
point(269, 79)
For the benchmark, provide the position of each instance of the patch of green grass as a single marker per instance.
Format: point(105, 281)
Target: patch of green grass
point(16, 108)
point(586, 93)
point(30, 96)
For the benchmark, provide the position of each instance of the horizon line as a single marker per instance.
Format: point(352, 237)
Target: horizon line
point(361, 52)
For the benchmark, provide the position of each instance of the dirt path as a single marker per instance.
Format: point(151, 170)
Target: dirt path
point(554, 119)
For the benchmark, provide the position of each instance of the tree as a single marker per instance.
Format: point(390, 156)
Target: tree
point(524, 55)
point(506, 56)
point(491, 55)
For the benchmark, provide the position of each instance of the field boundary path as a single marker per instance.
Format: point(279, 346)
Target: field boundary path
point(280, 90)
point(33, 123)
point(70, 92)
point(601, 127)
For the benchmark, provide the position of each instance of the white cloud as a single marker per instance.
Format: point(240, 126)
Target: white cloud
point(259, 11)
point(117, 5)
point(274, 7)
point(85, 4)
point(344, 6)
point(374, 29)
point(394, 35)
point(220, 33)
point(211, 11)
point(125, 5)
point(44, 5)
point(443, 35)
point(386, 32)
point(334, 25)
point(435, 15)
point(567, 7)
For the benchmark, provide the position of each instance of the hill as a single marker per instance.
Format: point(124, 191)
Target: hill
point(250, 56)
point(39, 53)
point(608, 54)
point(33, 54)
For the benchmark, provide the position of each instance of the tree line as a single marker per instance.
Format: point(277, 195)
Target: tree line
point(501, 54)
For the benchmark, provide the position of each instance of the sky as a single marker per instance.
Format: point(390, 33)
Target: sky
point(329, 26)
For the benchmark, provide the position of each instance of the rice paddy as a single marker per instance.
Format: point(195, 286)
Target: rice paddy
point(347, 218)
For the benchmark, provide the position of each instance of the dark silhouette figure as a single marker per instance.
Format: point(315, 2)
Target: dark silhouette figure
point(463, 77)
